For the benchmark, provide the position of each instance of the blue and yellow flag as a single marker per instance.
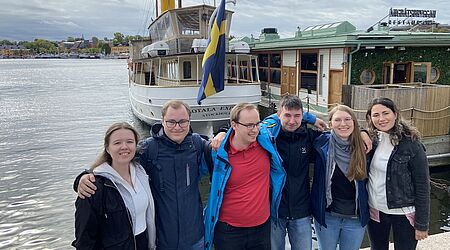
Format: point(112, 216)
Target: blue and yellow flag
point(213, 64)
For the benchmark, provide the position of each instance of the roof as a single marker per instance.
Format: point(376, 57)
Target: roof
point(344, 34)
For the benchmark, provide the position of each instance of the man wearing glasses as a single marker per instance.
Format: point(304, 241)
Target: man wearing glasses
point(246, 185)
point(174, 160)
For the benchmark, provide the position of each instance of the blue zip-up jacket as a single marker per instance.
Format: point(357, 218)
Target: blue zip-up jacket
point(221, 173)
point(273, 122)
point(318, 191)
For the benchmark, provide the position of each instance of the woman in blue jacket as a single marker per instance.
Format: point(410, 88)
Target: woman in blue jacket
point(339, 195)
point(399, 180)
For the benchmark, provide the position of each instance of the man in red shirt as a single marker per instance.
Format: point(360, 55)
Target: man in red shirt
point(245, 167)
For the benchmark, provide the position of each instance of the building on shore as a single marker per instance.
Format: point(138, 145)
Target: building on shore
point(335, 63)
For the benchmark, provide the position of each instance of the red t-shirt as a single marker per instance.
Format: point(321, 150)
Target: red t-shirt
point(246, 195)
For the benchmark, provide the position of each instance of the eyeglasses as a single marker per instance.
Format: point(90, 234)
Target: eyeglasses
point(249, 125)
point(172, 123)
point(347, 120)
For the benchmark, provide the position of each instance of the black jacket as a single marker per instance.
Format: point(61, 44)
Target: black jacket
point(102, 221)
point(296, 150)
point(408, 180)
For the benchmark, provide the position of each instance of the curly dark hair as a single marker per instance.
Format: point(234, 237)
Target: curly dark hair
point(401, 127)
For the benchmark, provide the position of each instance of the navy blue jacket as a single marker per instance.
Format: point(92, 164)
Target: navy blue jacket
point(318, 191)
point(174, 184)
point(296, 150)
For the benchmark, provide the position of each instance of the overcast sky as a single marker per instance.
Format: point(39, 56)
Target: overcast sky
point(58, 19)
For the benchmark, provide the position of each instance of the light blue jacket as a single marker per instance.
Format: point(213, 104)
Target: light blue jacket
point(221, 173)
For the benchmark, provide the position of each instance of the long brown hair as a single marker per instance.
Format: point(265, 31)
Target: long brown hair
point(401, 127)
point(357, 167)
point(104, 156)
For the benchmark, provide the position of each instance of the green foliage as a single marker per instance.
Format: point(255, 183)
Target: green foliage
point(374, 59)
point(94, 41)
point(118, 38)
point(6, 42)
point(90, 51)
point(40, 46)
point(105, 49)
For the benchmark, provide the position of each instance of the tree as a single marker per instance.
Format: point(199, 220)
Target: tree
point(105, 49)
point(94, 41)
point(6, 42)
point(118, 38)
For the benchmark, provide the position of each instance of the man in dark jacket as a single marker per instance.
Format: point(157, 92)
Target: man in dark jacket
point(295, 146)
point(171, 159)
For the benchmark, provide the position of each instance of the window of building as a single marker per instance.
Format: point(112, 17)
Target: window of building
point(367, 76)
point(420, 72)
point(434, 74)
point(309, 71)
point(309, 82)
point(309, 61)
point(270, 67)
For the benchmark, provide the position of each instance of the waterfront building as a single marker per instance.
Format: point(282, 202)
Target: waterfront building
point(14, 51)
point(335, 63)
point(319, 60)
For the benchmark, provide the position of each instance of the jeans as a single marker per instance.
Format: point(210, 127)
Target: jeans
point(404, 233)
point(299, 233)
point(347, 232)
point(228, 237)
point(200, 245)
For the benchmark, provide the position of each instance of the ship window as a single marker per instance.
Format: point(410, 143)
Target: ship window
point(263, 75)
point(309, 61)
point(435, 74)
point(188, 23)
point(367, 76)
point(187, 70)
point(309, 81)
point(275, 60)
point(275, 76)
point(420, 72)
point(263, 60)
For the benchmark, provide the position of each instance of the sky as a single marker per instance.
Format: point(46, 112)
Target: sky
point(26, 20)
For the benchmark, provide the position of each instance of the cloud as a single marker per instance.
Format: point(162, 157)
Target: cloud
point(59, 19)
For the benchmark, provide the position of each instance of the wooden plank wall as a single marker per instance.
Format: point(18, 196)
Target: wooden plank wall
point(426, 107)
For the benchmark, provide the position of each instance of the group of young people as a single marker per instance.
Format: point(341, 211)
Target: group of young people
point(145, 195)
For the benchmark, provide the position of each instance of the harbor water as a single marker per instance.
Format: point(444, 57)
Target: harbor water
point(53, 115)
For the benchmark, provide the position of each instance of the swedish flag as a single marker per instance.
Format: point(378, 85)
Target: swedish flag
point(213, 64)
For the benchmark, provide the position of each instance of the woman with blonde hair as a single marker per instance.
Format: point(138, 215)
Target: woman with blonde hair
point(120, 215)
point(399, 179)
point(339, 195)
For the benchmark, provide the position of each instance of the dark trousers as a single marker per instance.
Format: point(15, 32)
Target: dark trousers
point(227, 237)
point(142, 240)
point(404, 233)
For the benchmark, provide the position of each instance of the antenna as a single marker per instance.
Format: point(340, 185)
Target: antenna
point(371, 27)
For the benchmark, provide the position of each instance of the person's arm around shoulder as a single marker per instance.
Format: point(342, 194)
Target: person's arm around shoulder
point(367, 140)
point(421, 178)
point(84, 184)
point(206, 162)
point(320, 124)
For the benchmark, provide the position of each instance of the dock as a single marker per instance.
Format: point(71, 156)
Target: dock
point(436, 242)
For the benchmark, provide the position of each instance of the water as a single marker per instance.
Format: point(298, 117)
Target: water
point(53, 114)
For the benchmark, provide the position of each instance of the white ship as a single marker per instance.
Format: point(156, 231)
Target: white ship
point(169, 66)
